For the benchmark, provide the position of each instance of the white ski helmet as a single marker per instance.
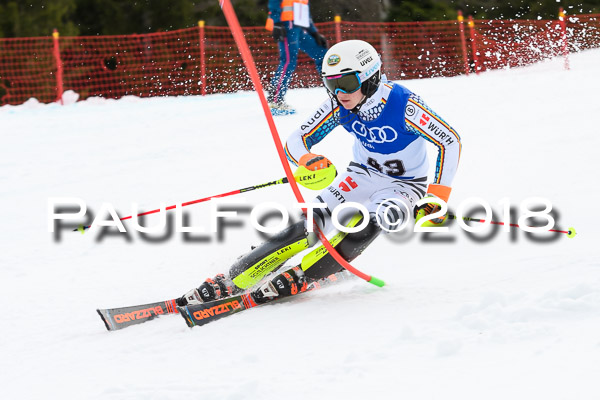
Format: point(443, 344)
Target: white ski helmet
point(351, 65)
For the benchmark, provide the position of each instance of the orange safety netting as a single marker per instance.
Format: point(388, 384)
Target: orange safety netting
point(502, 44)
point(204, 60)
point(27, 69)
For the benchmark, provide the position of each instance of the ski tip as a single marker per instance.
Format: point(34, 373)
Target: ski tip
point(376, 281)
point(571, 233)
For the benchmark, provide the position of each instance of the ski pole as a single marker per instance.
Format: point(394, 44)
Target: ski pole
point(82, 228)
point(570, 232)
point(298, 176)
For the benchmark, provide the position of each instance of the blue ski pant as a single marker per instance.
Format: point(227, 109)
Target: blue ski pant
point(297, 38)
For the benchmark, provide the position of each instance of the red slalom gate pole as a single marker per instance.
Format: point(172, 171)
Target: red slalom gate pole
point(240, 40)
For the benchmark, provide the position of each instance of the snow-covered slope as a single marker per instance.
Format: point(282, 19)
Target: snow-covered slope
point(503, 316)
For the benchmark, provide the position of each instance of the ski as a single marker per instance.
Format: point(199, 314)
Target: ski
point(202, 314)
point(119, 318)
point(122, 317)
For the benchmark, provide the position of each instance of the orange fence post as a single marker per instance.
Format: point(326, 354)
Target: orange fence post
point(563, 36)
point(202, 58)
point(59, 67)
point(463, 41)
point(474, 44)
point(338, 29)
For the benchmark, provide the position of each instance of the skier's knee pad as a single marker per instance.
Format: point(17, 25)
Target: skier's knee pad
point(253, 266)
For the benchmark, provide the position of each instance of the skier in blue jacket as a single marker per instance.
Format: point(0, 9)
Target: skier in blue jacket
point(293, 29)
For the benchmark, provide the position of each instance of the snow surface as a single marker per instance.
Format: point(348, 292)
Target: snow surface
point(503, 317)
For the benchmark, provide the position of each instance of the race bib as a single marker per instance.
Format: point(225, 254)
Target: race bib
point(301, 15)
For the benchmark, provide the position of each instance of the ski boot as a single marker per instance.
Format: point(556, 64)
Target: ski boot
point(281, 108)
point(210, 290)
point(288, 283)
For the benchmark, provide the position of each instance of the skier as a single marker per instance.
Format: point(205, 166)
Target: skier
point(293, 30)
point(388, 174)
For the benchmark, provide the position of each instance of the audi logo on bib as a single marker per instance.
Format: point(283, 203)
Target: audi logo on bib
point(383, 134)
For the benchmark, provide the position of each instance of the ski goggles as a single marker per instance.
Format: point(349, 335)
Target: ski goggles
point(345, 83)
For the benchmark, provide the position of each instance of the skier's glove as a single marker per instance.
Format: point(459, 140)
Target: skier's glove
point(315, 172)
point(434, 192)
point(429, 208)
point(320, 39)
point(279, 31)
point(314, 162)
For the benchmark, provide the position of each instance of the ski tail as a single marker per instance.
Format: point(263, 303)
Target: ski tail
point(122, 317)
